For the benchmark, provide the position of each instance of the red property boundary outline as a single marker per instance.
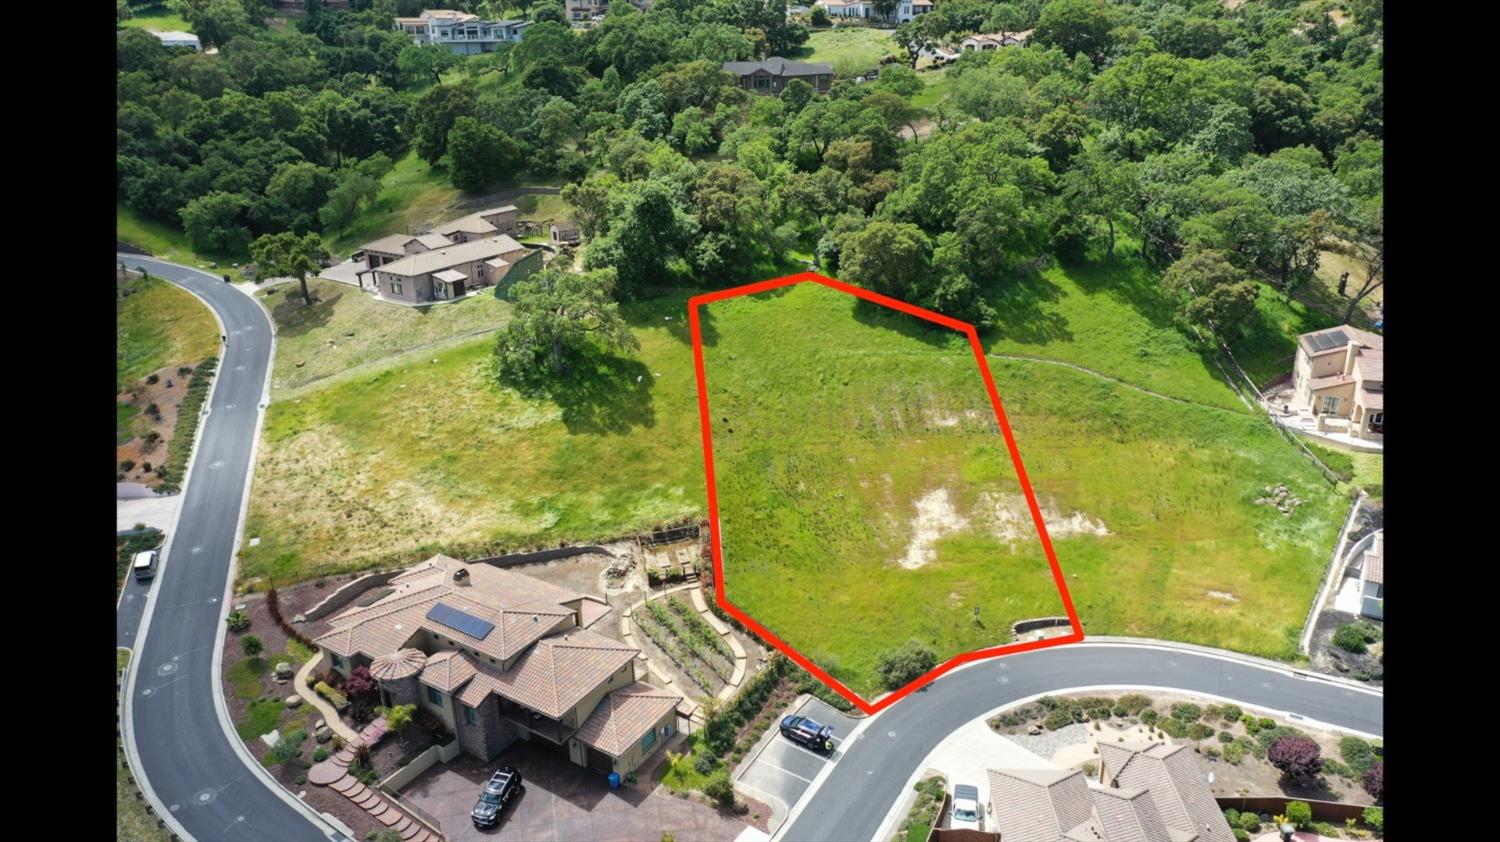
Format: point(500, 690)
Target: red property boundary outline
point(965, 328)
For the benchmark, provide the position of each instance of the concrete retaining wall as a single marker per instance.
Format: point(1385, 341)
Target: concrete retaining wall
point(348, 593)
point(540, 555)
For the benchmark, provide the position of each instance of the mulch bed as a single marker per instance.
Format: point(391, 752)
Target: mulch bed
point(166, 398)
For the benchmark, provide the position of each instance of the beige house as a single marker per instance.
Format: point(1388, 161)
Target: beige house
point(564, 233)
point(446, 273)
point(393, 247)
point(996, 40)
point(1151, 793)
point(499, 657)
point(480, 225)
point(1372, 579)
point(1339, 377)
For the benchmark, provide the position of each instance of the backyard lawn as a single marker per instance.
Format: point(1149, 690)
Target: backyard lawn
point(345, 328)
point(406, 457)
point(851, 50)
point(157, 18)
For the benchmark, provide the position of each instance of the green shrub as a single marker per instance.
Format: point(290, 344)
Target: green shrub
point(1230, 714)
point(1186, 711)
point(1232, 816)
point(252, 646)
point(1359, 754)
point(237, 621)
point(704, 763)
point(1149, 716)
point(1250, 822)
point(337, 699)
point(719, 788)
point(1211, 750)
point(320, 754)
point(1226, 737)
point(1120, 712)
point(1299, 813)
point(1048, 702)
point(1173, 727)
point(1060, 718)
point(900, 667)
point(1334, 767)
point(1251, 724)
point(1350, 638)
point(1199, 731)
point(1267, 722)
point(1234, 753)
point(1240, 835)
point(1135, 702)
point(1375, 819)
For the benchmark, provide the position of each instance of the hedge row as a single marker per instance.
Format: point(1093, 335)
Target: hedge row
point(188, 416)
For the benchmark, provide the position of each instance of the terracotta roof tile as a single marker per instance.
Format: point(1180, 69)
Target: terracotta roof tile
point(1038, 804)
point(448, 670)
point(624, 717)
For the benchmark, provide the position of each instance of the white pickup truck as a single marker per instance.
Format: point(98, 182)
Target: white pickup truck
point(967, 813)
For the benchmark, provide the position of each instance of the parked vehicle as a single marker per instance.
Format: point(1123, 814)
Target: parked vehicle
point(145, 565)
point(802, 730)
point(966, 811)
point(497, 795)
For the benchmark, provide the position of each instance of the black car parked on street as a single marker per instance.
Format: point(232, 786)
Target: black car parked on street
point(498, 792)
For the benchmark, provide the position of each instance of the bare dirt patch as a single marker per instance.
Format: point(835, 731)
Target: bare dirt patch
point(1009, 517)
point(935, 518)
point(166, 394)
point(1227, 597)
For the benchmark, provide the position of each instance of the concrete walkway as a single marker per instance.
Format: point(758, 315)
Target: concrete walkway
point(155, 512)
point(309, 695)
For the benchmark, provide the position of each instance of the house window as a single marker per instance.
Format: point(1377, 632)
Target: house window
point(649, 740)
point(1377, 419)
point(395, 287)
point(434, 696)
point(471, 715)
point(668, 730)
point(337, 661)
point(762, 83)
point(1331, 404)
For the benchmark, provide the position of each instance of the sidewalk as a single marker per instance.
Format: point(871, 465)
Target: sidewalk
point(155, 512)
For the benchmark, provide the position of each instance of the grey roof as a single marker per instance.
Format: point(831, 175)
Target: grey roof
point(396, 243)
point(778, 66)
point(1038, 804)
point(1128, 815)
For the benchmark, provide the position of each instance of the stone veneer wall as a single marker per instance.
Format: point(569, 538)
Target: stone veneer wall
point(490, 736)
point(403, 691)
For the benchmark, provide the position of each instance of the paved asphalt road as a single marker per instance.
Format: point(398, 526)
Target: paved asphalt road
point(854, 798)
point(185, 754)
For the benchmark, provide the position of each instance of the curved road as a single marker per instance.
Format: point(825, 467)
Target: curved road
point(852, 800)
point(172, 725)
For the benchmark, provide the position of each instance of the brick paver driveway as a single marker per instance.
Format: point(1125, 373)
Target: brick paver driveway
point(561, 802)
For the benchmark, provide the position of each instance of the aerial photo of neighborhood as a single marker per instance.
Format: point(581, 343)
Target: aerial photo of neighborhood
point(742, 421)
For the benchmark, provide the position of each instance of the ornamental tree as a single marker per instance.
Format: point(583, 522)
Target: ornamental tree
point(1296, 757)
point(1374, 780)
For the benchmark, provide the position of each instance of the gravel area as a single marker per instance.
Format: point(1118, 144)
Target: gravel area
point(1048, 742)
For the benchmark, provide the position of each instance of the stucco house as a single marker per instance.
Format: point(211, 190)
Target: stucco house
point(995, 40)
point(564, 232)
point(499, 656)
point(448, 272)
point(461, 32)
point(582, 10)
point(1372, 579)
point(904, 11)
point(177, 38)
point(393, 247)
point(480, 224)
point(1339, 377)
point(1143, 793)
point(772, 75)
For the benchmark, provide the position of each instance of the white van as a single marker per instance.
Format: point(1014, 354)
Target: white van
point(144, 565)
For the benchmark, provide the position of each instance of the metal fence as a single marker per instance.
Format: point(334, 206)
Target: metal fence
point(1330, 575)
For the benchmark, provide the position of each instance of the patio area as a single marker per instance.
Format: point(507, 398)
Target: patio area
point(561, 801)
point(1335, 430)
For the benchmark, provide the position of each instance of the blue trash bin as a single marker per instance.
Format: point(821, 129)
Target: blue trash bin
point(614, 780)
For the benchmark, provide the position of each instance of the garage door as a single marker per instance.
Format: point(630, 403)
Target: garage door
point(600, 761)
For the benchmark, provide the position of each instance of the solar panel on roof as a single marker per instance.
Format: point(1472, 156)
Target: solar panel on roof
point(1338, 337)
point(461, 622)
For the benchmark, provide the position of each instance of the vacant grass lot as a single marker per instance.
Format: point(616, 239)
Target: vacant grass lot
point(411, 194)
point(831, 425)
point(345, 328)
point(156, 18)
point(851, 50)
point(159, 325)
point(170, 243)
point(408, 457)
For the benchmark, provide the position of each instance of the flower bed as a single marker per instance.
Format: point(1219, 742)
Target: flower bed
point(674, 647)
point(699, 628)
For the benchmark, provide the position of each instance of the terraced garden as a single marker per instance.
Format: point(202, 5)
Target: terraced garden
point(681, 632)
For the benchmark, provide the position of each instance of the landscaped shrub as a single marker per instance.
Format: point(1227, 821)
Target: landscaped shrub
point(1149, 716)
point(1186, 711)
point(1172, 727)
point(1234, 753)
point(1335, 767)
point(1226, 737)
point(719, 788)
point(704, 763)
point(1120, 712)
point(320, 754)
point(1231, 816)
point(337, 699)
point(899, 667)
point(1199, 731)
point(1252, 724)
point(1352, 637)
point(252, 646)
point(1240, 835)
point(1060, 718)
point(237, 621)
point(289, 748)
point(1374, 780)
point(1250, 822)
point(1048, 702)
point(1296, 757)
point(1359, 754)
point(1267, 722)
point(127, 464)
point(1134, 703)
point(1299, 813)
point(188, 415)
point(1375, 819)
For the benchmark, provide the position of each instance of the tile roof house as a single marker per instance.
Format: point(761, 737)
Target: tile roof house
point(480, 224)
point(461, 32)
point(995, 40)
point(1372, 579)
point(904, 10)
point(447, 272)
point(1339, 373)
point(1149, 794)
point(500, 656)
point(773, 74)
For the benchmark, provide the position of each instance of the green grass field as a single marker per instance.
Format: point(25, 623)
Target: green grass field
point(406, 457)
point(345, 328)
point(156, 18)
point(159, 325)
point(170, 243)
point(851, 50)
point(825, 460)
point(411, 194)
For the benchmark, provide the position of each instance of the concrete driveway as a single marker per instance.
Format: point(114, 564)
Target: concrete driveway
point(781, 770)
point(561, 802)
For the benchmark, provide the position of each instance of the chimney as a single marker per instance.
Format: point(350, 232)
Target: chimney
point(1351, 351)
point(461, 577)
